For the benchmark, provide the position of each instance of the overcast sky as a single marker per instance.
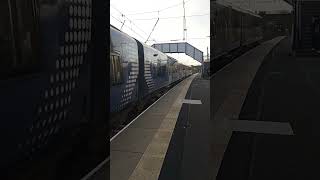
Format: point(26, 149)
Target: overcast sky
point(168, 28)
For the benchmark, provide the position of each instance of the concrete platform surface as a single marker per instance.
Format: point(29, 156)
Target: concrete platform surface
point(139, 151)
point(229, 88)
point(188, 152)
point(202, 132)
point(286, 89)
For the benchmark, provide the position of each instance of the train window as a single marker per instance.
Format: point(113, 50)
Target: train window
point(162, 68)
point(17, 37)
point(116, 73)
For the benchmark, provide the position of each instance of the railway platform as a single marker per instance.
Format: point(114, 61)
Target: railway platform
point(185, 133)
point(174, 138)
point(138, 151)
point(284, 101)
point(201, 133)
point(229, 89)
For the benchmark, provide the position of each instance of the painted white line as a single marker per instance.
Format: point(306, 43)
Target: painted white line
point(191, 101)
point(92, 172)
point(145, 111)
point(265, 127)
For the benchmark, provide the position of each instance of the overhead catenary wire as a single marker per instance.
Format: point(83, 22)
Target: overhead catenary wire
point(173, 17)
point(123, 15)
point(131, 22)
point(124, 21)
point(128, 27)
point(160, 10)
point(194, 38)
point(160, 18)
point(152, 30)
point(174, 5)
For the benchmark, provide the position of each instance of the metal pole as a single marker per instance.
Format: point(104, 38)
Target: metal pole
point(184, 22)
point(152, 30)
point(207, 53)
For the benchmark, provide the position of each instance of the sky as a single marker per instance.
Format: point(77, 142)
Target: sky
point(170, 25)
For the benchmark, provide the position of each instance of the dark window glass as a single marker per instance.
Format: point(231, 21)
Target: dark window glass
point(162, 68)
point(116, 73)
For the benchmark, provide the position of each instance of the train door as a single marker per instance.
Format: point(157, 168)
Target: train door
point(169, 72)
point(141, 79)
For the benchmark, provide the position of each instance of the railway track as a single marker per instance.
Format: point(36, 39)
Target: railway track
point(223, 61)
point(102, 169)
point(130, 115)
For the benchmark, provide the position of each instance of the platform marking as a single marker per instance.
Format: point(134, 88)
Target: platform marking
point(265, 127)
point(191, 101)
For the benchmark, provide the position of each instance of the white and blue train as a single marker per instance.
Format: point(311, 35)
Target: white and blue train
point(138, 70)
point(52, 90)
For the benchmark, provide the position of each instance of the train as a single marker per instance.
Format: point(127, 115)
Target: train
point(53, 87)
point(232, 27)
point(276, 25)
point(138, 71)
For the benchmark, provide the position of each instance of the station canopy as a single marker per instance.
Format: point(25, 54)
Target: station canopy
point(182, 47)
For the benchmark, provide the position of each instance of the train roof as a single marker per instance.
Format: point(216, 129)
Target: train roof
point(115, 27)
point(144, 44)
point(175, 60)
point(237, 8)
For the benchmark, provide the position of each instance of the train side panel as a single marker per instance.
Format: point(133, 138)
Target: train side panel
point(46, 97)
point(155, 69)
point(219, 32)
point(226, 29)
point(252, 29)
point(124, 70)
point(173, 71)
point(232, 28)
